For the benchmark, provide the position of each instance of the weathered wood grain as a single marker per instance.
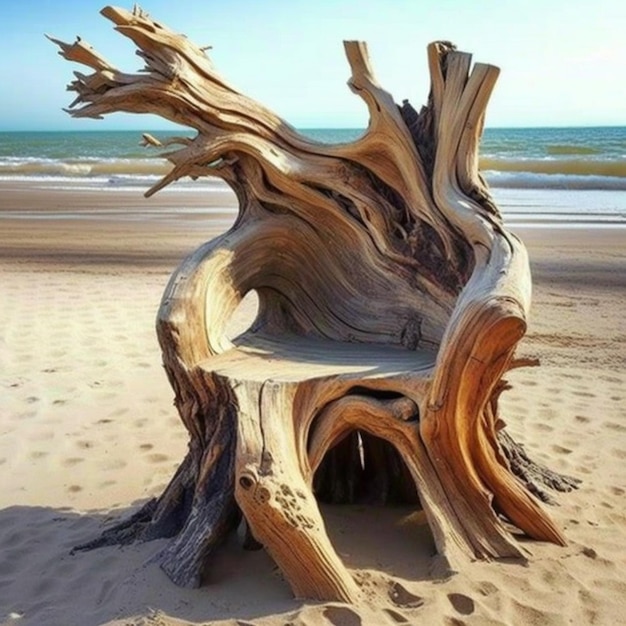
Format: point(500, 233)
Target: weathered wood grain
point(391, 301)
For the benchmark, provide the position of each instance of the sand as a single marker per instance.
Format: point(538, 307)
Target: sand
point(88, 432)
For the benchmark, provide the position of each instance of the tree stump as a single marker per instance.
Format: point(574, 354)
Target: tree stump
point(391, 300)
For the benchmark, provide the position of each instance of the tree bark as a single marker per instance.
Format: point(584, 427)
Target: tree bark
point(392, 299)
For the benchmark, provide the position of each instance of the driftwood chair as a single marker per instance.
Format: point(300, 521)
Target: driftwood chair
point(391, 299)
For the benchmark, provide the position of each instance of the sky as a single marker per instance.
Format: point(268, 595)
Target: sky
point(563, 61)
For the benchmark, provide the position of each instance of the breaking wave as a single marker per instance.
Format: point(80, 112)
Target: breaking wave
point(26, 167)
point(540, 173)
point(566, 167)
point(529, 180)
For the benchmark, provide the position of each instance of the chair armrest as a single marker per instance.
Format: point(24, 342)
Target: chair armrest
point(199, 300)
point(486, 324)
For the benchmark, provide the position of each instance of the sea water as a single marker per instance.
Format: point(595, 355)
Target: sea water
point(574, 174)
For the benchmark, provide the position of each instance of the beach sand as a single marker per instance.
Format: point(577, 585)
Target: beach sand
point(88, 432)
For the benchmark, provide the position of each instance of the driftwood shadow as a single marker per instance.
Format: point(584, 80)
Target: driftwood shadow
point(44, 582)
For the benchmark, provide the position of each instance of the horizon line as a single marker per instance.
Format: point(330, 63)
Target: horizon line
point(299, 128)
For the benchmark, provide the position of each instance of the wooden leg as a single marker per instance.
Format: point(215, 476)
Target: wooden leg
point(277, 501)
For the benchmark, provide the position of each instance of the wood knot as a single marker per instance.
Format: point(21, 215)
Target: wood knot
point(246, 482)
point(411, 334)
point(406, 410)
point(249, 482)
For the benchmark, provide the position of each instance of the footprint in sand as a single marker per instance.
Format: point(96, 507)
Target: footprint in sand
point(462, 604)
point(614, 426)
point(561, 450)
point(570, 376)
point(397, 617)
point(610, 379)
point(70, 462)
point(546, 428)
point(342, 616)
point(402, 597)
point(158, 458)
point(590, 553)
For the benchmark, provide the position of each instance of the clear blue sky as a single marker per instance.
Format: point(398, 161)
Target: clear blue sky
point(563, 61)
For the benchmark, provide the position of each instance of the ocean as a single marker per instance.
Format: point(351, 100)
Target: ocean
point(571, 174)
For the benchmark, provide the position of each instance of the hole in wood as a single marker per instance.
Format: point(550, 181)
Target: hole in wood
point(371, 507)
point(246, 482)
point(364, 469)
point(379, 394)
point(244, 315)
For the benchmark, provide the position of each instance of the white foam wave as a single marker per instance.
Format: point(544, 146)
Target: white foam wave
point(115, 183)
point(143, 173)
point(529, 180)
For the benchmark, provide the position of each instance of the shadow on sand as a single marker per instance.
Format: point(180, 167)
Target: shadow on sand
point(43, 583)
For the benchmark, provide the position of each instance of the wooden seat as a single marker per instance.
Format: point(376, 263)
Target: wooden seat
point(292, 358)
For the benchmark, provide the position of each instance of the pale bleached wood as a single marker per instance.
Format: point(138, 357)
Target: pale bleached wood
point(391, 301)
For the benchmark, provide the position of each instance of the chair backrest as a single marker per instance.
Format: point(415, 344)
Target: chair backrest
point(328, 278)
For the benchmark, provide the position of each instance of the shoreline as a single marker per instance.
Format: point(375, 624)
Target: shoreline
point(515, 203)
point(60, 224)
